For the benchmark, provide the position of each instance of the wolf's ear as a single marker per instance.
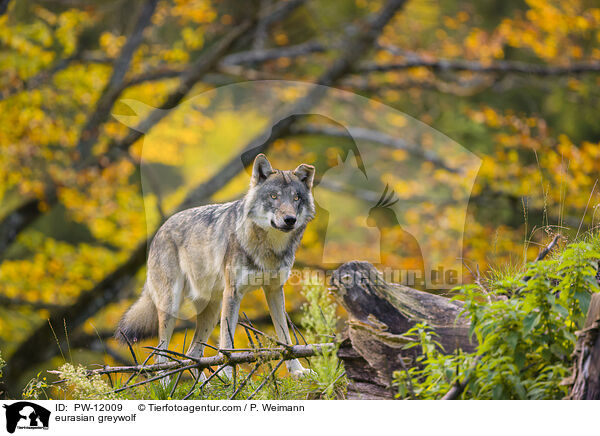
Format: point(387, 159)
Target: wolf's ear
point(306, 174)
point(261, 169)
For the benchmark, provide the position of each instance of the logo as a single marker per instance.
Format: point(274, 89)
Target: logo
point(26, 415)
point(389, 189)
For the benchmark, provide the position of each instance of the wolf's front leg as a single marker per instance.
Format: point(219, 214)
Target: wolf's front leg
point(276, 301)
point(229, 319)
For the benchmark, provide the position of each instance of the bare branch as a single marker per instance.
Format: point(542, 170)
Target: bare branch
point(271, 338)
point(4, 6)
point(188, 79)
point(372, 136)
point(247, 327)
point(294, 352)
point(37, 79)
point(146, 360)
point(548, 248)
point(230, 61)
point(264, 382)
point(292, 51)
point(214, 374)
point(261, 34)
point(279, 12)
point(479, 67)
point(454, 85)
point(20, 219)
point(544, 253)
point(129, 345)
point(45, 76)
point(280, 127)
point(111, 91)
point(7, 302)
point(359, 46)
point(459, 386)
point(243, 383)
point(455, 391)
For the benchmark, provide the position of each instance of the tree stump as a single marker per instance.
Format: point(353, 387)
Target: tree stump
point(585, 379)
point(379, 313)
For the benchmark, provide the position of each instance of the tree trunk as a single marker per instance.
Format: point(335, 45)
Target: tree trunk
point(379, 313)
point(586, 368)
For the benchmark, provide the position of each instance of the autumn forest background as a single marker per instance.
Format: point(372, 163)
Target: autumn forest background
point(87, 176)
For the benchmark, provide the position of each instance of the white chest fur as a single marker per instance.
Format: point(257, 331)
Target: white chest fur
point(249, 279)
point(278, 241)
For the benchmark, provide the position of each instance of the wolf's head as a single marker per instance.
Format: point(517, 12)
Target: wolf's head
point(278, 199)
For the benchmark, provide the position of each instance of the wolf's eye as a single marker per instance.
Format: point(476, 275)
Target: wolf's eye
point(296, 197)
point(274, 196)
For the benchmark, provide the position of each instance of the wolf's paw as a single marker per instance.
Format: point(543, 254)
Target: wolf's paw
point(302, 372)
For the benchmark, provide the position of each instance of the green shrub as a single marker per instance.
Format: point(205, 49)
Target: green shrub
point(525, 336)
point(319, 320)
point(77, 385)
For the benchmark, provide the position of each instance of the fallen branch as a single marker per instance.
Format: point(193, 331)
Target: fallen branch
point(459, 386)
point(243, 383)
point(264, 382)
point(544, 253)
point(547, 249)
point(455, 391)
point(275, 353)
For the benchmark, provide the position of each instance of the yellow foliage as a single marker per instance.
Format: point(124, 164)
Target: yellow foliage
point(194, 11)
point(523, 156)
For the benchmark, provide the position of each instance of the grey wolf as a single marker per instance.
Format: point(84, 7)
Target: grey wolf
point(217, 253)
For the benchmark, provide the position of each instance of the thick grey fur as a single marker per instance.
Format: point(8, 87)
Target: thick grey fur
point(216, 253)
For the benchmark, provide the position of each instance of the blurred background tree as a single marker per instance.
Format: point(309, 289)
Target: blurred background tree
point(515, 82)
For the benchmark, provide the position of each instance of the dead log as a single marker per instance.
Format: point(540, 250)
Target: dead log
point(378, 314)
point(585, 379)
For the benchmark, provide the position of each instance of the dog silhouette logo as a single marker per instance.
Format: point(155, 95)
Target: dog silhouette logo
point(389, 189)
point(348, 236)
point(26, 415)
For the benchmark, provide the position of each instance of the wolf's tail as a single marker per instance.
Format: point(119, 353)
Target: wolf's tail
point(140, 321)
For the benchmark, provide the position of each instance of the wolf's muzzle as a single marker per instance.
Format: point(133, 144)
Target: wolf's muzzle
point(289, 220)
point(286, 227)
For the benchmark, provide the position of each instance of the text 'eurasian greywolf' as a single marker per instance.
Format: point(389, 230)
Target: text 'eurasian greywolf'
point(216, 253)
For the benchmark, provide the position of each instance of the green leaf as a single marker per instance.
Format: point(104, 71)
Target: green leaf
point(584, 298)
point(520, 359)
point(531, 321)
point(497, 392)
point(512, 338)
